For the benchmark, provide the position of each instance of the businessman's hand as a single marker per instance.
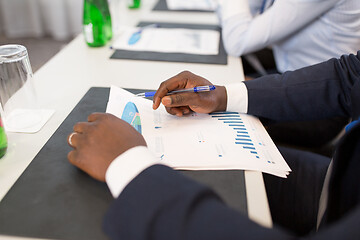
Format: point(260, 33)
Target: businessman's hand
point(99, 141)
point(183, 103)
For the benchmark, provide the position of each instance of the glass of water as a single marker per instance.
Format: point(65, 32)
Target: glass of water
point(17, 95)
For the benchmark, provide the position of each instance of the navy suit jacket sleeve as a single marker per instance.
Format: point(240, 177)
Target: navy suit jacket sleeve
point(317, 92)
point(163, 204)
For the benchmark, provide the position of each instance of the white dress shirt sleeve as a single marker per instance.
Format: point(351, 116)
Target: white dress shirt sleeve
point(237, 97)
point(127, 166)
point(135, 160)
point(244, 32)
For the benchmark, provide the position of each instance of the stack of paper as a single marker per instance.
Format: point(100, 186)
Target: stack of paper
point(205, 5)
point(223, 140)
point(169, 40)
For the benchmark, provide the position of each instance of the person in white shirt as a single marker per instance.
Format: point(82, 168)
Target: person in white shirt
point(300, 32)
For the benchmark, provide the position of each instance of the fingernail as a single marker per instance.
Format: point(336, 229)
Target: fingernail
point(166, 101)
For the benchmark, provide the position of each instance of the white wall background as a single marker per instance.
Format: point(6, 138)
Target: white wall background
point(1, 22)
point(60, 19)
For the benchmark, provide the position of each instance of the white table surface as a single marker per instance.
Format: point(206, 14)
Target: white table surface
point(65, 79)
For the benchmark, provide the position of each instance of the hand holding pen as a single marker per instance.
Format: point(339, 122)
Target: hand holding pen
point(194, 89)
point(187, 100)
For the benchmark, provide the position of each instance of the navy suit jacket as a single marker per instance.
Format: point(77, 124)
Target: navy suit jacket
point(163, 204)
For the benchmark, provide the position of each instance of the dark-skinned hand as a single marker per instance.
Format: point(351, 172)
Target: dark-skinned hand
point(99, 141)
point(184, 103)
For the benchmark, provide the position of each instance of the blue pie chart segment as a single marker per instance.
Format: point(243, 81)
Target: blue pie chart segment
point(131, 115)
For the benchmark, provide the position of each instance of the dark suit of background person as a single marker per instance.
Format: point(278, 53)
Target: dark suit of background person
point(163, 204)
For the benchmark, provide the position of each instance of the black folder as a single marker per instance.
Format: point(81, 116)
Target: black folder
point(53, 199)
point(220, 58)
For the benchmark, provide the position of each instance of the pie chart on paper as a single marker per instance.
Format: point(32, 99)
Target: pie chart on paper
point(131, 115)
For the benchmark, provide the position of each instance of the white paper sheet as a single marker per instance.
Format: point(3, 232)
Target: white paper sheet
point(206, 5)
point(177, 40)
point(203, 141)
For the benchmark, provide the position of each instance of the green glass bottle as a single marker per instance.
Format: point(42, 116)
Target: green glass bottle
point(97, 27)
point(3, 140)
point(133, 4)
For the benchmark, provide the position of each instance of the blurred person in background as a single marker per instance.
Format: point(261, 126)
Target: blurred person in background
point(301, 33)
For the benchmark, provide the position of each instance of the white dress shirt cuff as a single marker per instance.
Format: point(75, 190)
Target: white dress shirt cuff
point(229, 8)
point(237, 97)
point(127, 166)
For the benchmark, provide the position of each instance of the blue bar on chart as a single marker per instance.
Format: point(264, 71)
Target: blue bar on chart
point(225, 116)
point(236, 120)
point(246, 147)
point(241, 129)
point(242, 132)
point(246, 136)
point(223, 113)
point(230, 119)
point(242, 137)
point(244, 143)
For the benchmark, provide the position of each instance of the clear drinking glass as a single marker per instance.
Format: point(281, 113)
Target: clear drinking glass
point(17, 95)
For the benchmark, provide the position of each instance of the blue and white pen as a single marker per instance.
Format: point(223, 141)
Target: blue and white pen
point(195, 90)
point(135, 37)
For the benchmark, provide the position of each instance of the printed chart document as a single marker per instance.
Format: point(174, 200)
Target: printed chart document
point(205, 5)
point(169, 40)
point(221, 140)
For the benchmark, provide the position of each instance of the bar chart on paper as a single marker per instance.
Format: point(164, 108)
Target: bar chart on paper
point(249, 135)
point(215, 141)
point(242, 137)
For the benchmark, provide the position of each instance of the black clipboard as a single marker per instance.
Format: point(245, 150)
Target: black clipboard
point(53, 199)
point(220, 58)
